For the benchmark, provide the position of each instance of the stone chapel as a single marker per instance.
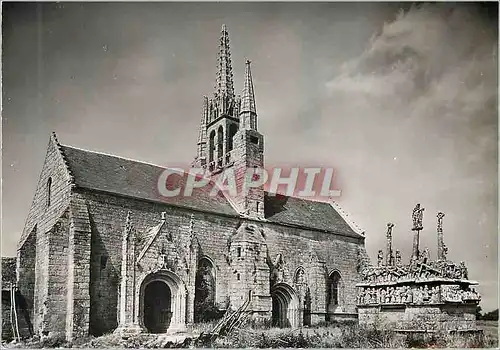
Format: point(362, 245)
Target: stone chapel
point(102, 252)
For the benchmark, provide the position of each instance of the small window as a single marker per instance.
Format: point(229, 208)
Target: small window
point(254, 139)
point(104, 261)
point(238, 276)
point(49, 191)
point(238, 252)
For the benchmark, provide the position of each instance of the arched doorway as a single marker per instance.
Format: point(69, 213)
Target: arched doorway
point(285, 310)
point(157, 307)
point(162, 306)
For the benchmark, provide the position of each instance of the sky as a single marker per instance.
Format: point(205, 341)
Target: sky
point(400, 100)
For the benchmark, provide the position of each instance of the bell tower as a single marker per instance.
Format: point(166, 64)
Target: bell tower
point(228, 136)
point(220, 115)
point(248, 153)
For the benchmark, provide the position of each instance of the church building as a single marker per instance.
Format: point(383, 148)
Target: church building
point(102, 251)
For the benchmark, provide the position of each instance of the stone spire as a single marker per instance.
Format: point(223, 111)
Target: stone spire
point(248, 112)
point(224, 86)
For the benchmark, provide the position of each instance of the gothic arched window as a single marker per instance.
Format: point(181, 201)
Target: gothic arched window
point(334, 291)
point(300, 276)
point(204, 298)
point(233, 129)
point(220, 142)
point(211, 147)
point(49, 191)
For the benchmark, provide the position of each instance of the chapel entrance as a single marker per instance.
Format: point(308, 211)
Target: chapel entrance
point(285, 306)
point(162, 303)
point(157, 307)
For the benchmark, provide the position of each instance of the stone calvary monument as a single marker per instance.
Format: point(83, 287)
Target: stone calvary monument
point(422, 294)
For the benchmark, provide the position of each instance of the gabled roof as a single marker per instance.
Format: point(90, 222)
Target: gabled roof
point(301, 212)
point(130, 178)
point(102, 172)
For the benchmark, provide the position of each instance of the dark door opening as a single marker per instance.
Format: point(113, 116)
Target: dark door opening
point(307, 308)
point(157, 307)
point(280, 311)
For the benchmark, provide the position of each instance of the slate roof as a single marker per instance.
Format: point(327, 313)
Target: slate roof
point(102, 172)
point(297, 211)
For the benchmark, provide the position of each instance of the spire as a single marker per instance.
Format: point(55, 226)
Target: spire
point(224, 83)
point(248, 113)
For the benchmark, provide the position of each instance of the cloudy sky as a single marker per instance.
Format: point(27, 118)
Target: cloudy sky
point(401, 101)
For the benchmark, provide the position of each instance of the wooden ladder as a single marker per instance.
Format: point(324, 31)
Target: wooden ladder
point(227, 324)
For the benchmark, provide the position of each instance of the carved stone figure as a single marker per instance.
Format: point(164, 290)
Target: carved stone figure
point(425, 294)
point(409, 298)
point(434, 295)
point(425, 257)
point(382, 295)
point(398, 296)
point(300, 277)
point(463, 270)
point(417, 216)
point(380, 257)
point(398, 258)
point(277, 269)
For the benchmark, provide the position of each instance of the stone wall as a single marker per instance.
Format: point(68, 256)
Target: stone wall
point(55, 317)
point(318, 252)
point(41, 214)
point(78, 281)
point(26, 262)
point(108, 217)
point(421, 317)
point(7, 334)
point(34, 246)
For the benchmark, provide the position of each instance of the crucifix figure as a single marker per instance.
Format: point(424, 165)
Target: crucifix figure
point(389, 257)
point(441, 247)
point(417, 216)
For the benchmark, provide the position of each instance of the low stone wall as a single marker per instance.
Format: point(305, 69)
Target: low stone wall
point(442, 317)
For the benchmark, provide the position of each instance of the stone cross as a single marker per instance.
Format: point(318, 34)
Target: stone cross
point(389, 259)
point(441, 251)
point(417, 216)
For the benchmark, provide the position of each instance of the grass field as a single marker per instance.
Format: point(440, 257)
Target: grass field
point(490, 329)
point(325, 336)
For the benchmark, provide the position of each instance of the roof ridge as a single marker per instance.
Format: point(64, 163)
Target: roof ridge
point(63, 156)
point(116, 156)
point(316, 200)
point(353, 225)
